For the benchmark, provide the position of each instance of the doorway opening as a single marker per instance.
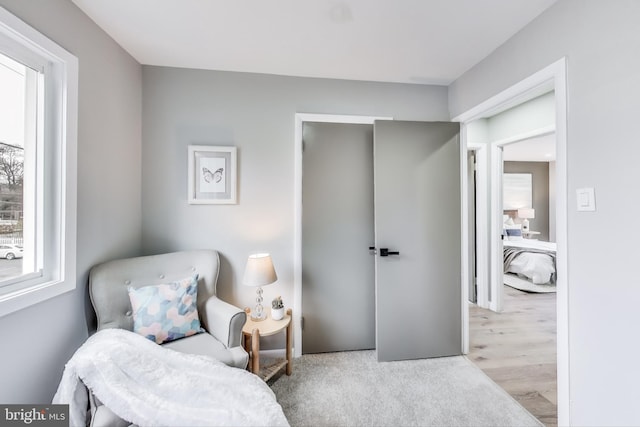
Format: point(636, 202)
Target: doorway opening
point(300, 119)
point(490, 200)
point(337, 232)
point(516, 345)
point(416, 186)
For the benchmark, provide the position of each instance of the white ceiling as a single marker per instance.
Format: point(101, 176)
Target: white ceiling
point(538, 149)
point(408, 41)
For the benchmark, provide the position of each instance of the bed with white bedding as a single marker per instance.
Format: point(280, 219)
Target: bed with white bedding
point(531, 259)
point(152, 385)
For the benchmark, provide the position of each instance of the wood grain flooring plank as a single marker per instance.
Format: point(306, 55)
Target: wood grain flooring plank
point(517, 349)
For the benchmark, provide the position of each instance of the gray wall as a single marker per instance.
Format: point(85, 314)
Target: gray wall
point(600, 40)
point(530, 116)
point(540, 187)
point(255, 113)
point(38, 341)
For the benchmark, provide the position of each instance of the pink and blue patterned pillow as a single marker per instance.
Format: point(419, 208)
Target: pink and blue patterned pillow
point(167, 311)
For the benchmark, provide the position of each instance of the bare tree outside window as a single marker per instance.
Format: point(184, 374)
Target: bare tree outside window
point(11, 208)
point(11, 180)
point(12, 165)
point(16, 108)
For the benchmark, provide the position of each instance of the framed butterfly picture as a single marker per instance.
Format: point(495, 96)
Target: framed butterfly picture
point(212, 175)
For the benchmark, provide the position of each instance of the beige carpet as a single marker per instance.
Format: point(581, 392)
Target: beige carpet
point(353, 389)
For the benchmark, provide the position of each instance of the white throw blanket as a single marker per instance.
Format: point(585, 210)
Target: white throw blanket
point(149, 385)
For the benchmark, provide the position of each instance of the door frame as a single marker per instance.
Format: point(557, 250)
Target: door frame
point(495, 210)
point(482, 232)
point(553, 76)
point(300, 119)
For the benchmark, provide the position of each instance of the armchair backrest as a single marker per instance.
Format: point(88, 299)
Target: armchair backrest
point(108, 282)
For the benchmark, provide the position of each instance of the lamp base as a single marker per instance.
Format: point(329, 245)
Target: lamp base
point(258, 314)
point(525, 225)
point(258, 319)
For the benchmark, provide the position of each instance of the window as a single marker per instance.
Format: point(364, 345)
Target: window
point(38, 121)
point(20, 87)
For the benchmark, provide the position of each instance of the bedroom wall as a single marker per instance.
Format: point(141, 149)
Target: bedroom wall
point(255, 113)
point(478, 132)
point(540, 191)
point(537, 113)
point(600, 40)
point(534, 114)
point(38, 341)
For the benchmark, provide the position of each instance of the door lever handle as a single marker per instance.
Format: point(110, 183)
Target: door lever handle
point(387, 252)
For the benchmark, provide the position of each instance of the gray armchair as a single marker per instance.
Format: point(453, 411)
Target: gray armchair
point(223, 322)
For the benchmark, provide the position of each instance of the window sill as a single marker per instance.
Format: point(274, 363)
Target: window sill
point(20, 299)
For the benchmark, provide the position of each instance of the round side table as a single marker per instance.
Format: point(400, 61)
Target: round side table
point(252, 331)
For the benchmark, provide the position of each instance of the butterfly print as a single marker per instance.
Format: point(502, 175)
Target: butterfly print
point(209, 176)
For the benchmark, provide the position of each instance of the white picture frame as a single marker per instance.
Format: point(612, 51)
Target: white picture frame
point(517, 191)
point(212, 175)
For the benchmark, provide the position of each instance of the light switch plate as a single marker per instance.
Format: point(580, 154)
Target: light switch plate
point(586, 199)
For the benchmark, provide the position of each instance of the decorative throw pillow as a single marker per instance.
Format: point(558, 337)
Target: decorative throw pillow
point(514, 233)
point(167, 311)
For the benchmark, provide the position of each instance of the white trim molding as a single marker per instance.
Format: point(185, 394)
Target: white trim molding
point(495, 215)
point(482, 231)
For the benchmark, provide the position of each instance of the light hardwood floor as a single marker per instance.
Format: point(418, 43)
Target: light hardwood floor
point(517, 349)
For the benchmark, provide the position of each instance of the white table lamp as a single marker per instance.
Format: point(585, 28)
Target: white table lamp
point(526, 214)
point(259, 272)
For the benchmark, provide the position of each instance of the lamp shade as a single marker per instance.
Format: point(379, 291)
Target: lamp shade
point(259, 271)
point(526, 213)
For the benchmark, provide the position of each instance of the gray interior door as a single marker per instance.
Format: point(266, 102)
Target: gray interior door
point(338, 286)
point(417, 213)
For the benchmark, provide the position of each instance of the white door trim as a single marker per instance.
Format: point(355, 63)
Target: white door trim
point(482, 232)
point(553, 77)
point(496, 274)
point(495, 215)
point(545, 130)
point(300, 118)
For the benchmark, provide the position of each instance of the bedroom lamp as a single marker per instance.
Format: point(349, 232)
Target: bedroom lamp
point(526, 214)
point(259, 272)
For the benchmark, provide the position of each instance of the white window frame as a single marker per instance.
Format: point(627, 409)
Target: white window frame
point(25, 44)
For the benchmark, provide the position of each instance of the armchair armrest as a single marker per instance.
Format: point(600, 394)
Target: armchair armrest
point(224, 321)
